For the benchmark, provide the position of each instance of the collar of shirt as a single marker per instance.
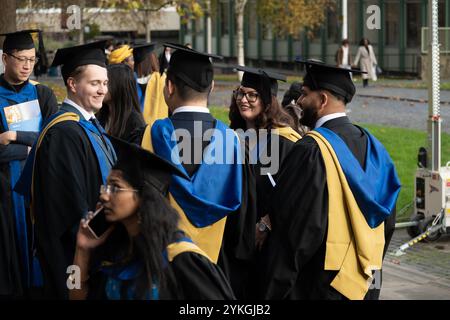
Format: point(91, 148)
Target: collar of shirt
point(9, 86)
point(191, 109)
point(329, 117)
point(87, 115)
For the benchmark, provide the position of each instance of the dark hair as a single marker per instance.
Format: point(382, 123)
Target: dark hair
point(345, 41)
point(361, 43)
point(184, 91)
point(293, 93)
point(124, 100)
point(149, 65)
point(158, 226)
point(272, 116)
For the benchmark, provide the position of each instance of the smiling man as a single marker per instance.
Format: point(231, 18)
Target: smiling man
point(23, 105)
point(71, 160)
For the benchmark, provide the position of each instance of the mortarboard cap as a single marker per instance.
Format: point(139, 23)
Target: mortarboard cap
point(20, 40)
point(191, 66)
point(73, 57)
point(334, 79)
point(265, 82)
point(140, 51)
point(139, 165)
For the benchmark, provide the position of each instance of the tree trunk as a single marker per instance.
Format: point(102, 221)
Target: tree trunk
point(82, 5)
point(208, 27)
point(148, 29)
point(8, 17)
point(240, 6)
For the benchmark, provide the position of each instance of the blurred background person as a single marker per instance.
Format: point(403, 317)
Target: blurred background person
point(120, 113)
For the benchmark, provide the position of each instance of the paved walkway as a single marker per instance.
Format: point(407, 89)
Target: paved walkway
point(375, 105)
point(422, 273)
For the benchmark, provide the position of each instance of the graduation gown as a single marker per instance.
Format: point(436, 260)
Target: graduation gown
point(189, 276)
point(66, 186)
point(10, 265)
point(237, 249)
point(264, 191)
point(299, 216)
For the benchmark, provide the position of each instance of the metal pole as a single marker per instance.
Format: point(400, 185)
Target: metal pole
point(434, 121)
point(344, 20)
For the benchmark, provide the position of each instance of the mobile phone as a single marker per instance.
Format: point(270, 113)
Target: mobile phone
point(98, 225)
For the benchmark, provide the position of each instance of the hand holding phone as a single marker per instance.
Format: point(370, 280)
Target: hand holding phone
point(93, 230)
point(97, 224)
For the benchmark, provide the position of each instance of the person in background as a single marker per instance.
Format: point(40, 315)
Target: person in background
point(344, 55)
point(289, 104)
point(164, 59)
point(120, 113)
point(367, 61)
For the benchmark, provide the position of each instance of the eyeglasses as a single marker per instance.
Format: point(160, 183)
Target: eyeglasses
point(24, 60)
point(251, 96)
point(109, 189)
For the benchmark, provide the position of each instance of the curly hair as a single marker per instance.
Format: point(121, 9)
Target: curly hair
point(272, 116)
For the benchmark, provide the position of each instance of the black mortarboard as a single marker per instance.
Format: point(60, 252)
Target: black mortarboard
point(139, 165)
point(140, 51)
point(73, 57)
point(334, 79)
point(263, 81)
point(20, 40)
point(191, 66)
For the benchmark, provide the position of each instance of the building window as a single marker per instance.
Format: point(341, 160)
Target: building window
point(333, 26)
point(413, 23)
point(352, 22)
point(224, 19)
point(392, 24)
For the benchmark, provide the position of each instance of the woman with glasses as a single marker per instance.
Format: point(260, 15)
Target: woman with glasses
point(254, 106)
point(143, 255)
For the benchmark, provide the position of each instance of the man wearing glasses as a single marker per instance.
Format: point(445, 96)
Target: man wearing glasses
point(23, 107)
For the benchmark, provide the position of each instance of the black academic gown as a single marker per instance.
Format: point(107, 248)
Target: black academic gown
point(189, 276)
point(10, 283)
point(299, 215)
point(67, 183)
point(264, 191)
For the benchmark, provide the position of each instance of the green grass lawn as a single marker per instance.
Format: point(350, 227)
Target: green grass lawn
point(402, 145)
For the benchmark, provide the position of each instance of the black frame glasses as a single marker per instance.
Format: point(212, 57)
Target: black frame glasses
point(251, 96)
point(24, 60)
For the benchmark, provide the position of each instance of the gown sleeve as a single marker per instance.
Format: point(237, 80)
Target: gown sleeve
point(200, 279)
point(299, 217)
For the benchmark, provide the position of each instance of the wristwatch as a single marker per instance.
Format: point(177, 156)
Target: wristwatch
point(262, 226)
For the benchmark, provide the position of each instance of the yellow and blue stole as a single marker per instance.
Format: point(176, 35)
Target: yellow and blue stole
point(25, 184)
point(27, 93)
point(155, 106)
point(118, 275)
point(375, 187)
point(355, 238)
point(204, 200)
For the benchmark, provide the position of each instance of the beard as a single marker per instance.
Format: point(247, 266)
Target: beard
point(309, 117)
